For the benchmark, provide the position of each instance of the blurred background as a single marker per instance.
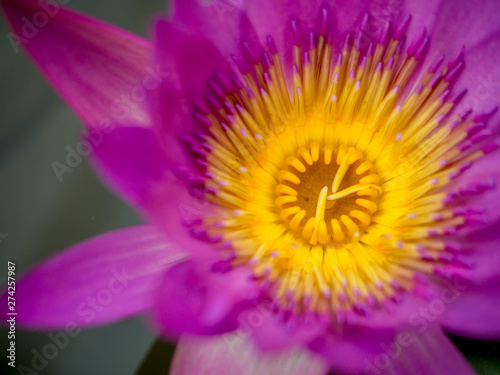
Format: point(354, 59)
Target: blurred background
point(40, 215)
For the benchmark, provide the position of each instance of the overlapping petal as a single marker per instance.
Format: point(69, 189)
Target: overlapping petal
point(104, 279)
point(392, 351)
point(197, 301)
point(475, 312)
point(131, 161)
point(218, 355)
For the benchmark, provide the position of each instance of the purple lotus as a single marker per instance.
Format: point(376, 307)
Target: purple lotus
point(320, 186)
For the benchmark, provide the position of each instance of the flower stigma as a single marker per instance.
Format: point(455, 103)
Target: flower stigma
point(337, 191)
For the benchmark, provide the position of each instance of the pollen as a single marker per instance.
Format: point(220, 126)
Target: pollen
point(317, 193)
point(332, 180)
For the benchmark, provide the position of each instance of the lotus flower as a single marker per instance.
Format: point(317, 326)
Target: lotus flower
point(319, 185)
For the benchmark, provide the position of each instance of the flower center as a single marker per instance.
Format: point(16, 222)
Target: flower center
point(327, 194)
point(338, 194)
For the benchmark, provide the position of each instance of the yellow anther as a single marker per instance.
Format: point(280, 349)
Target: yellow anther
point(371, 192)
point(396, 148)
point(273, 156)
point(285, 190)
point(320, 214)
point(338, 233)
point(308, 229)
point(287, 212)
point(304, 153)
point(341, 153)
point(295, 222)
point(353, 189)
point(355, 240)
point(363, 217)
point(323, 236)
point(370, 206)
point(315, 147)
point(364, 166)
point(296, 163)
point(350, 225)
point(328, 151)
point(353, 157)
point(288, 176)
point(280, 201)
point(339, 176)
point(371, 179)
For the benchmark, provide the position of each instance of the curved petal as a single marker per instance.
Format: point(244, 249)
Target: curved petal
point(474, 313)
point(195, 300)
point(171, 105)
point(107, 278)
point(133, 164)
point(470, 24)
point(196, 57)
point(217, 355)
point(478, 189)
point(223, 21)
point(103, 73)
point(225, 24)
point(345, 351)
point(272, 335)
point(391, 351)
point(131, 161)
point(429, 352)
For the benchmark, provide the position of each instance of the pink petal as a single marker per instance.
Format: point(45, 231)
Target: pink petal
point(173, 208)
point(223, 22)
point(107, 278)
point(473, 24)
point(171, 105)
point(195, 300)
point(228, 27)
point(405, 351)
point(272, 335)
point(219, 355)
point(484, 178)
point(131, 161)
point(172, 118)
point(474, 312)
point(134, 165)
point(196, 57)
point(429, 352)
point(104, 73)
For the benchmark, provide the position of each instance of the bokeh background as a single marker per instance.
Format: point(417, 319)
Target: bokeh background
point(40, 215)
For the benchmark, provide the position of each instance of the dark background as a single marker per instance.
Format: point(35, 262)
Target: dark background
point(40, 215)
